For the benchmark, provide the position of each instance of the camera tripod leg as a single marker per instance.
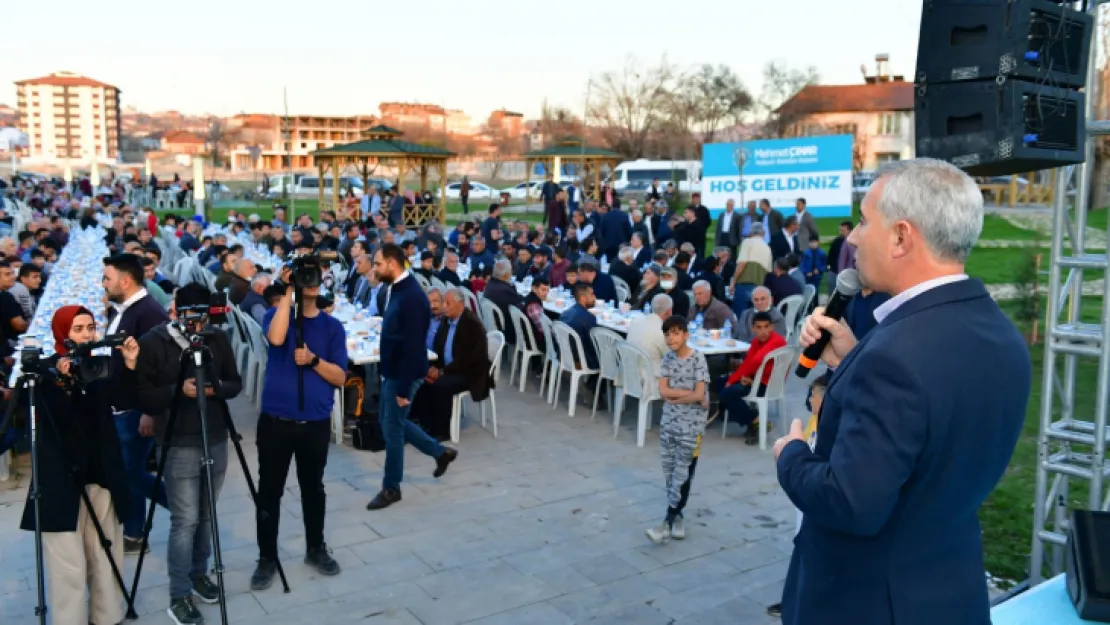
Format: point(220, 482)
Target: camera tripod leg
point(236, 439)
point(102, 538)
point(148, 523)
point(206, 462)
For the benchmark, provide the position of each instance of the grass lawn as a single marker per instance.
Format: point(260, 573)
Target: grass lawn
point(1007, 515)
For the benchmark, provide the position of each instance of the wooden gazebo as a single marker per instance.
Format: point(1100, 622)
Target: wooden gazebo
point(574, 150)
point(382, 145)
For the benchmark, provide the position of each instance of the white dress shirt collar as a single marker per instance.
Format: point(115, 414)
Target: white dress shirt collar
point(883, 311)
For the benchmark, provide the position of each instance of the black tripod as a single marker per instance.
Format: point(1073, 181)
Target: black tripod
point(200, 356)
point(30, 382)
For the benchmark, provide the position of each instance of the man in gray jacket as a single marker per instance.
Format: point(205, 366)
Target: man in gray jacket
point(761, 302)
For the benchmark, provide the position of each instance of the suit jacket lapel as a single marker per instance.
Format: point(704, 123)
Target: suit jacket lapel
point(946, 293)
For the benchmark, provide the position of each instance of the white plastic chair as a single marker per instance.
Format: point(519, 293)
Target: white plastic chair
point(495, 342)
point(569, 345)
point(525, 348)
point(550, 360)
point(783, 360)
point(605, 342)
point(790, 308)
point(639, 381)
point(472, 301)
point(436, 282)
point(492, 317)
point(623, 290)
point(809, 293)
point(424, 284)
point(622, 294)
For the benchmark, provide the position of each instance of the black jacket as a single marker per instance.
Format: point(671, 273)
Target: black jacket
point(77, 434)
point(157, 387)
point(470, 353)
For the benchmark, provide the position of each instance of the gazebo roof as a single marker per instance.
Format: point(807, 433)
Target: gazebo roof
point(382, 140)
point(571, 147)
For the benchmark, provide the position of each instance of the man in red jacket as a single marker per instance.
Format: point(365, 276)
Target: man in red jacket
point(739, 385)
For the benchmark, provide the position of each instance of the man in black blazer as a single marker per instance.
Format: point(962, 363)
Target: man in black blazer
point(404, 365)
point(616, 230)
point(785, 242)
point(917, 426)
point(135, 312)
point(464, 367)
point(729, 226)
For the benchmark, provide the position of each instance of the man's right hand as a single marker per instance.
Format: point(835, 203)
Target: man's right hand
point(146, 426)
point(189, 387)
point(433, 375)
point(841, 342)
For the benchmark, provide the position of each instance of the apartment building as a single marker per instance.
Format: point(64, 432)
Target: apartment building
point(512, 124)
point(69, 118)
point(284, 142)
point(879, 113)
point(412, 114)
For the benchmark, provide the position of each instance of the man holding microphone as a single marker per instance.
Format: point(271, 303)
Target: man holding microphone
point(918, 423)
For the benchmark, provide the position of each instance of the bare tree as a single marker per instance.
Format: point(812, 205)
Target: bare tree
point(215, 140)
point(630, 103)
point(720, 97)
point(780, 84)
point(558, 123)
point(500, 147)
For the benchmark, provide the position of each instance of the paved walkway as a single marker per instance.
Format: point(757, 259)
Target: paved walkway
point(543, 525)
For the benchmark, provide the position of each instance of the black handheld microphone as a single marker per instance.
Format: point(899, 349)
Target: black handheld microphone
point(847, 285)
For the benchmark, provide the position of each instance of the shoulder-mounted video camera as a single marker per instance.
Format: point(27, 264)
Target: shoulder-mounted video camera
point(84, 367)
point(308, 269)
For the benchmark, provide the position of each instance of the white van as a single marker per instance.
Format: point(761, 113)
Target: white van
point(309, 186)
point(279, 182)
point(636, 176)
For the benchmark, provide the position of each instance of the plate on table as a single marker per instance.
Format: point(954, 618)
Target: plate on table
point(703, 343)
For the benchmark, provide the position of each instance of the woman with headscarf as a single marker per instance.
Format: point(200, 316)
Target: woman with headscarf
point(78, 450)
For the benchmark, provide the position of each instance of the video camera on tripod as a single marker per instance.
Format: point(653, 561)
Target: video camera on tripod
point(195, 322)
point(85, 367)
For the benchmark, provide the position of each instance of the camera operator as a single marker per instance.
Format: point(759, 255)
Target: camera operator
point(286, 431)
point(78, 448)
point(190, 542)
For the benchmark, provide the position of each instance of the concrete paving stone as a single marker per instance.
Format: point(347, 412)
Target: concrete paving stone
point(477, 591)
point(642, 614)
point(608, 598)
point(534, 614)
point(747, 557)
point(691, 573)
point(604, 569)
point(564, 580)
point(739, 610)
point(542, 525)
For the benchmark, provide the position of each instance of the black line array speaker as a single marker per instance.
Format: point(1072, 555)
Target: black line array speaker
point(1087, 556)
point(998, 84)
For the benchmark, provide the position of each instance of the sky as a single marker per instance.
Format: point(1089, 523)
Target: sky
point(344, 57)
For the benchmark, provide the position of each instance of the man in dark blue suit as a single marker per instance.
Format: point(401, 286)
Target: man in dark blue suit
point(918, 424)
point(604, 287)
point(616, 230)
point(404, 365)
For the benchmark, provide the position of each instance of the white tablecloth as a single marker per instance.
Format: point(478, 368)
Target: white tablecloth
point(76, 279)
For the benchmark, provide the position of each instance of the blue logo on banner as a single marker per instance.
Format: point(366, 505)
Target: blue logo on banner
point(818, 169)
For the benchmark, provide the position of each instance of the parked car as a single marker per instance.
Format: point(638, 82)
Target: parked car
point(477, 190)
point(517, 192)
